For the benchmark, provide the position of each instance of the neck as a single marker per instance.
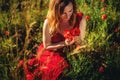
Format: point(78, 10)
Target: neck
point(64, 26)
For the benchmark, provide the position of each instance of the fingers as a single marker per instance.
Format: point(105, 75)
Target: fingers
point(72, 41)
point(69, 42)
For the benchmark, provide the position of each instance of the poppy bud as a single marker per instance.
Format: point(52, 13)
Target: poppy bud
point(104, 16)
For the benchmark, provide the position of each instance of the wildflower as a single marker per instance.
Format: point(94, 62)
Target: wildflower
point(75, 31)
point(101, 69)
point(7, 33)
point(104, 16)
point(87, 17)
point(116, 30)
point(69, 34)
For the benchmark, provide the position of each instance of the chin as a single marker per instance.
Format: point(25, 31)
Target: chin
point(66, 20)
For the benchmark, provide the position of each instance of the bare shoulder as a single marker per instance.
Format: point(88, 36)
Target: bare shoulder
point(83, 22)
point(83, 19)
point(82, 28)
point(46, 24)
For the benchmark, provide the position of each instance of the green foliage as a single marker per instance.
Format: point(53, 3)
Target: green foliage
point(20, 33)
point(80, 66)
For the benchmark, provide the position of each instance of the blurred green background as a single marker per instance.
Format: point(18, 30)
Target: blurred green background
point(21, 23)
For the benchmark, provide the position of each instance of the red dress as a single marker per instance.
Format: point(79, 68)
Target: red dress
point(51, 63)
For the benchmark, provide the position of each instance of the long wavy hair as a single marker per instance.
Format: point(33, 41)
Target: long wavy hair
point(56, 8)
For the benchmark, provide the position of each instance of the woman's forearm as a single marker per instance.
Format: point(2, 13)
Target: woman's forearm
point(55, 46)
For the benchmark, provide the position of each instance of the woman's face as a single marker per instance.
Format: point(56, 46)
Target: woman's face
point(68, 11)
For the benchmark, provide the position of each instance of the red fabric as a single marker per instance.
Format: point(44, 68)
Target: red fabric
point(78, 19)
point(51, 64)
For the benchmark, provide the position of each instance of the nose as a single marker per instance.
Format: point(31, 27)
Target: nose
point(64, 16)
point(67, 15)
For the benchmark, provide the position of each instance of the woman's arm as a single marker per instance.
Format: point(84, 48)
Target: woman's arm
point(82, 26)
point(47, 38)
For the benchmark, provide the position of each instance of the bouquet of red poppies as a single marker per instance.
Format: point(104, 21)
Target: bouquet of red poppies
point(70, 34)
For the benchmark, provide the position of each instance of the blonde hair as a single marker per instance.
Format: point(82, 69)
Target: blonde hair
point(56, 8)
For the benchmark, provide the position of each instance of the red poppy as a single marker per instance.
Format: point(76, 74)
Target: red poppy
point(104, 16)
point(87, 17)
point(75, 31)
point(7, 33)
point(101, 69)
point(116, 30)
point(67, 34)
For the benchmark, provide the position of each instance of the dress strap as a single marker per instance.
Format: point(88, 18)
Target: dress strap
point(78, 19)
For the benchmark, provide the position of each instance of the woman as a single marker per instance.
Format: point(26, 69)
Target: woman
point(61, 16)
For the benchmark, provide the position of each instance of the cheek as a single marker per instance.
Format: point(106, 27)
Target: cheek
point(70, 14)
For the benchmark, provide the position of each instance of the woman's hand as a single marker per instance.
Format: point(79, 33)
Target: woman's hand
point(69, 41)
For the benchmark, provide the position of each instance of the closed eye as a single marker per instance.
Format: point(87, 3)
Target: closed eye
point(68, 11)
point(71, 10)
